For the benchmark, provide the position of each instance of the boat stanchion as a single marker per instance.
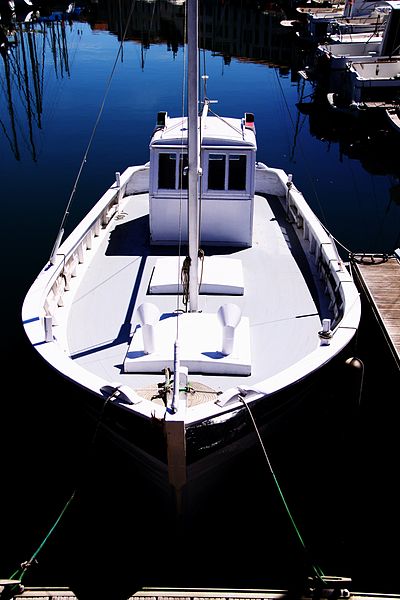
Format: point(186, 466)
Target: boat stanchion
point(48, 328)
point(289, 185)
point(325, 334)
point(118, 182)
point(56, 247)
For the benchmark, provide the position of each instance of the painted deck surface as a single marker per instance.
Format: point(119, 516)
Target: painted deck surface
point(284, 320)
point(380, 280)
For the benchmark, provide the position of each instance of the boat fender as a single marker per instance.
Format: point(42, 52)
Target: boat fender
point(355, 362)
point(325, 334)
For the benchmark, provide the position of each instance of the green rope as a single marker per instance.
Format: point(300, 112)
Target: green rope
point(318, 571)
point(26, 565)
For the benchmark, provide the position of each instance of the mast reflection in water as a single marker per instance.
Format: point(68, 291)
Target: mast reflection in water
point(26, 73)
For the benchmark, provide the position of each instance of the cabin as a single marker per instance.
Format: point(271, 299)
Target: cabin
point(227, 182)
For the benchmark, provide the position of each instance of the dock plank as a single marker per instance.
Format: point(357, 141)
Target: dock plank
point(233, 594)
point(63, 593)
point(379, 278)
point(46, 593)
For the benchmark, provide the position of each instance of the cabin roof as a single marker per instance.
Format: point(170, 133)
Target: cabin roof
point(216, 131)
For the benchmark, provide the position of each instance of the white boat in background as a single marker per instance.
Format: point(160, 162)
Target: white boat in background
point(199, 287)
point(393, 115)
point(363, 74)
point(373, 85)
point(360, 14)
point(364, 47)
point(373, 23)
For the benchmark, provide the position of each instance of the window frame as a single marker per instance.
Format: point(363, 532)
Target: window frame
point(179, 156)
point(227, 153)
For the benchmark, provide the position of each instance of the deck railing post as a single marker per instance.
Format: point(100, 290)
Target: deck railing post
point(118, 181)
point(48, 328)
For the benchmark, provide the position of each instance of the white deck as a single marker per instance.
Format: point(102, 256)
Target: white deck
point(283, 319)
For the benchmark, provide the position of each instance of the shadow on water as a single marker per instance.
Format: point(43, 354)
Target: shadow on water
point(119, 534)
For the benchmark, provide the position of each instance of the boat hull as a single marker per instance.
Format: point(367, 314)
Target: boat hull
point(213, 447)
point(204, 436)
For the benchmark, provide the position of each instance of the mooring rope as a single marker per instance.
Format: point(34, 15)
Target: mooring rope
point(317, 570)
point(20, 572)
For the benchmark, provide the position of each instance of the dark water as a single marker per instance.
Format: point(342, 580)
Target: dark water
point(337, 463)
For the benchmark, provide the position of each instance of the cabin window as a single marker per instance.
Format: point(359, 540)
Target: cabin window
point(172, 171)
point(227, 172)
point(237, 172)
point(166, 171)
point(216, 171)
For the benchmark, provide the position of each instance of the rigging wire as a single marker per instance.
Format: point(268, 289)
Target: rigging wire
point(293, 126)
point(89, 145)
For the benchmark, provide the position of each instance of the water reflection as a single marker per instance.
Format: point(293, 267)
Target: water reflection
point(34, 42)
point(118, 535)
point(359, 135)
point(25, 77)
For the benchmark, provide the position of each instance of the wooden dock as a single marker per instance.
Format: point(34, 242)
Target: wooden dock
point(245, 594)
point(10, 592)
point(378, 278)
point(149, 593)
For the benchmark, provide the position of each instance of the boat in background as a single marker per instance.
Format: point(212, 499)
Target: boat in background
point(372, 85)
point(393, 116)
point(198, 300)
point(321, 22)
point(366, 76)
point(362, 48)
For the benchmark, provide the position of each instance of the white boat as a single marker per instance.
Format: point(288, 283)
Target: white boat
point(321, 21)
point(363, 74)
point(393, 116)
point(173, 346)
point(373, 23)
point(363, 48)
point(372, 85)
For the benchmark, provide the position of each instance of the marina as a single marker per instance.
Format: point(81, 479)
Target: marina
point(334, 462)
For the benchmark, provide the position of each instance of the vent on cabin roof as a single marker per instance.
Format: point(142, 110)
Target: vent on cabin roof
point(161, 119)
point(249, 120)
